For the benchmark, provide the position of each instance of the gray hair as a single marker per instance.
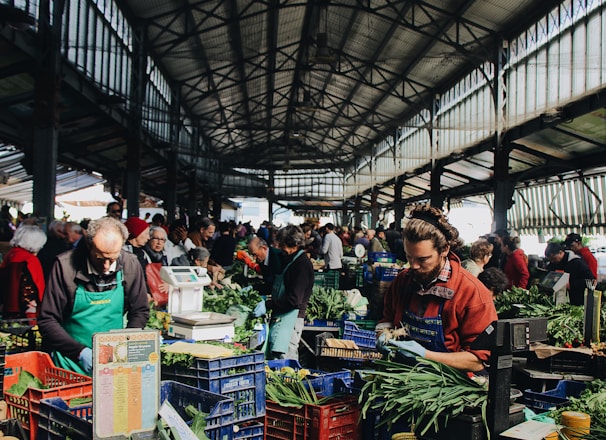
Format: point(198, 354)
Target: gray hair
point(73, 226)
point(291, 236)
point(103, 225)
point(198, 253)
point(29, 237)
point(158, 228)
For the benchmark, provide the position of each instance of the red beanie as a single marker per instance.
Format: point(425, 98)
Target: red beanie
point(135, 226)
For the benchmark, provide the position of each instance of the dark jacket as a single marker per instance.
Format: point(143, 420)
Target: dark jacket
point(58, 301)
point(579, 272)
point(270, 270)
point(299, 282)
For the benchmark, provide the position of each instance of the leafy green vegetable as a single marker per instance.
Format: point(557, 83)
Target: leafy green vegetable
point(327, 303)
point(26, 380)
point(198, 424)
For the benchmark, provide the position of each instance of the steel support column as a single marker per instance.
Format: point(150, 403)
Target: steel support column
point(398, 206)
point(503, 186)
point(170, 201)
point(134, 144)
point(46, 113)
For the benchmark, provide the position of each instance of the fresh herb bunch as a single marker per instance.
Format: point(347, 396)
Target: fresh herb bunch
point(327, 304)
point(425, 395)
point(506, 303)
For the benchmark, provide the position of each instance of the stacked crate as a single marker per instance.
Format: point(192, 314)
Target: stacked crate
point(240, 377)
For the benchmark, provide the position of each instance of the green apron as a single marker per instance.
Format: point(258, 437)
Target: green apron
point(281, 325)
point(93, 312)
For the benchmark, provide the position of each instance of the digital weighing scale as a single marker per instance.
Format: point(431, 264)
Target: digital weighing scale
point(554, 283)
point(185, 296)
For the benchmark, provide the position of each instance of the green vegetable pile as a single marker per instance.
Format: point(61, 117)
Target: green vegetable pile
point(507, 303)
point(565, 321)
point(427, 395)
point(327, 304)
point(592, 401)
point(25, 380)
point(236, 302)
point(286, 391)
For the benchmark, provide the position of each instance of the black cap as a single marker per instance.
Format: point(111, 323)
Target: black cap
point(572, 238)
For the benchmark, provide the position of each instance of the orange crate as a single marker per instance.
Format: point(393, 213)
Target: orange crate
point(61, 383)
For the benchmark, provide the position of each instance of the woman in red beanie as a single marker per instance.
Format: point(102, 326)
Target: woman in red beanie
point(138, 235)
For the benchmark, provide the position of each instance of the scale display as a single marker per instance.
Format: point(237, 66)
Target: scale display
point(185, 276)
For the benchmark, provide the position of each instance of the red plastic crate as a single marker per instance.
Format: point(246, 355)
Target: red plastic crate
point(61, 383)
point(335, 420)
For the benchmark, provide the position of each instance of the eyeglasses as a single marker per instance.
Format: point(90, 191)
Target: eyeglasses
point(115, 211)
point(158, 238)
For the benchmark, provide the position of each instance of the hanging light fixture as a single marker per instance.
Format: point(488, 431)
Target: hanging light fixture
point(323, 53)
point(306, 105)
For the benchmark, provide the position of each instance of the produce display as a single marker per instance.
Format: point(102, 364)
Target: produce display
point(565, 321)
point(592, 401)
point(426, 395)
point(327, 304)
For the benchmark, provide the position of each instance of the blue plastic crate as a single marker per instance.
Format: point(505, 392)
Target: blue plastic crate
point(383, 273)
point(381, 257)
point(323, 382)
point(553, 399)
point(58, 420)
point(220, 409)
point(324, 323)
point(362, 338)
point(252, 430)
point(241, 378)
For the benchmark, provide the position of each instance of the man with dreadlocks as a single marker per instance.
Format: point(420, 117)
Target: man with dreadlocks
point(442, 306)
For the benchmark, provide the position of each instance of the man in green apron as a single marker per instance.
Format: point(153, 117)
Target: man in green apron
point(93, 288)
point(290, 295)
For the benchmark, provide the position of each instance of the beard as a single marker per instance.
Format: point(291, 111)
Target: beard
point(424, 278)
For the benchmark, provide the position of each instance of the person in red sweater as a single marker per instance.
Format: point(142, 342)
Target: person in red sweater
point(443, 307)
point(21, 276)
point(516, 266)
point(574, 242)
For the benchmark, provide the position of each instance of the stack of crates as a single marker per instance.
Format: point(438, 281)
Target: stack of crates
point(59, 382)
point(59, 421)
point(240, 377)
point(335, 420)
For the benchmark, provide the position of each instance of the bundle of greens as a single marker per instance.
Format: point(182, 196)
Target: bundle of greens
point(327, 304)
point(424, 395)
point(288, 390)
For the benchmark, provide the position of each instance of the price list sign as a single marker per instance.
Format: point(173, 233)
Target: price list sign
point(126, 383)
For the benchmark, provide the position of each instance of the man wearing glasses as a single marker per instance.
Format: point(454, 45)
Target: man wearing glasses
point(269, 260)
point(91, 289)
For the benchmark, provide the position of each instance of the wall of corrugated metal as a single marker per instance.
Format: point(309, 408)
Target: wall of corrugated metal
point(559, 208)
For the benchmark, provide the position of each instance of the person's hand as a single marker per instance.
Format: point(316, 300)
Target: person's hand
point(260, 309)
point(164, 287)
point(382, 344)
point(408, 348)
point(86, 360)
